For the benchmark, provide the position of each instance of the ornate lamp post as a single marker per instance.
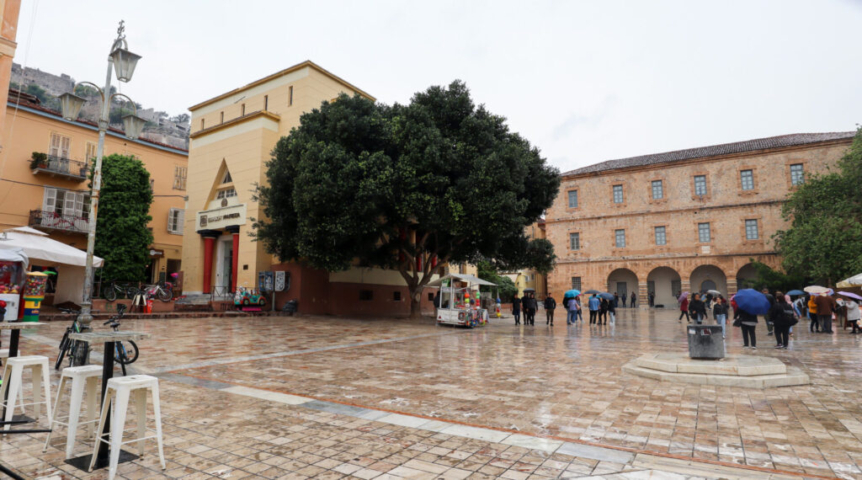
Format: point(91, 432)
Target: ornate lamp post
point(123, 62)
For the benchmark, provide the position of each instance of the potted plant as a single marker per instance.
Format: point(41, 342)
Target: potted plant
point(38, 160)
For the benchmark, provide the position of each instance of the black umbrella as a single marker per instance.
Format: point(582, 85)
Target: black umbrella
point(592, 292)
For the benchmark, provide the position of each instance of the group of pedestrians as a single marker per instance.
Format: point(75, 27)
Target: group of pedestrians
point(529, 304)
point(617, 298)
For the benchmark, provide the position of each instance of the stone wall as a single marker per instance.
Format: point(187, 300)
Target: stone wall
point(53, 84)
point(684, 262)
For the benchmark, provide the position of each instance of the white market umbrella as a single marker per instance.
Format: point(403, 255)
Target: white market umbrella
point(816, 289)
point(38, 246)
point(854, 281)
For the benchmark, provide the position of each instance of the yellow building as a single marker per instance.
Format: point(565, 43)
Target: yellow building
point(8, 31)
point(53, 195)
point(230, 142)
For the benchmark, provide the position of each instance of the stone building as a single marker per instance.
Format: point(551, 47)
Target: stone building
point(689, 220)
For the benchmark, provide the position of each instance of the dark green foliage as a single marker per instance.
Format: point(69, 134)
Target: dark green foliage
point(38, 159)
point(38, 92)
point(822, 242)
point(86, 92)
point(122, 237)
point(387, 185)
point(767, 277)
point(116, 115)
point(505, 286)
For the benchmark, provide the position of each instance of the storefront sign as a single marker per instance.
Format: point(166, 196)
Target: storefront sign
point(221, 217)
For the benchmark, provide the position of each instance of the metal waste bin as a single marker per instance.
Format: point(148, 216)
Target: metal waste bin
point(705, 341)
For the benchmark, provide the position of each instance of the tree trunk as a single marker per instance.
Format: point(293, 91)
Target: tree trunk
point(415, 305)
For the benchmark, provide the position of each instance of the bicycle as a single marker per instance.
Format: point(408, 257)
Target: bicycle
point(77, 351)
point(122, 355)
point(164, 293)
point(110, 291)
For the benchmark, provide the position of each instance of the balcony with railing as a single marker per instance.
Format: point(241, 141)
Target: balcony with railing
point(59, 222)
point(58, 166)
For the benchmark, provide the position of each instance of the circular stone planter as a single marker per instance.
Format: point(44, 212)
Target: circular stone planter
point(746, 371)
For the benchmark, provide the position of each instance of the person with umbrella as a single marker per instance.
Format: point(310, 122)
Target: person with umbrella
point(516, 309)
point(825, 304)
point(612, 311)
point(749, 304)
point(594, 303)
point(530, 307)
point(683, 307)
point(572, 307)
point(782, 317)
point(853, 312)
point(603, 310)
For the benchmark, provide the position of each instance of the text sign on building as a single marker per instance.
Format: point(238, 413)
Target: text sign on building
point(219, 218)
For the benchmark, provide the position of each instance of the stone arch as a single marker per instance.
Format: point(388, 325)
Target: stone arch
point(746, 272)
point(705, 277)
point(623, 280)
point(666, 284)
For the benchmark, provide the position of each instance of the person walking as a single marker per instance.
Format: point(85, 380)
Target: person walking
point(571, 311)
point(634, 299)
point(580, 308)
point(782, 317)
point(593, 305)
point(825, 305)
point(652, 299)
point(697, 309)
point(748, 323)
point(603, 311)
point(616, 299)
point(812, 315)
point(612, 312)
point(854, 315)
point(840, 313)
point(624, 299)
point(719, 311)
point(530, 306)
point(550, 306)
point(683, 307)
point(769, 326)
point(516, 309)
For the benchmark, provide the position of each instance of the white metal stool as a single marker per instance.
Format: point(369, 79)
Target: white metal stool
point(83, 377)
point(4, 354)
point(118, 392)
point(13, 381)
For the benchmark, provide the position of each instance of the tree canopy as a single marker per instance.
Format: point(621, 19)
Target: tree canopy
point(825, 212)
point(405, 187)
point(123, 238)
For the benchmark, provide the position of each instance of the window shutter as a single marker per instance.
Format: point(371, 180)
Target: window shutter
point(181, 215)
point(65, 147)
point(54, 147)
point(49, 202)
point(69, 204)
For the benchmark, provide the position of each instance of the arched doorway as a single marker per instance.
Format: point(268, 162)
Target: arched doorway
point(666, 284)
point(623, 281)
point(708, 277)
point(746, 276)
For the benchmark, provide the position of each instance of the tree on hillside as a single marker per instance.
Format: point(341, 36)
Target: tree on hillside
point(405, 187)
point(123, 238)
point(825, 212)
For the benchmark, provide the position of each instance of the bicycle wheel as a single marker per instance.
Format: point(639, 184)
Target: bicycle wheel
point(64, 345)
point(109, 293)
point(124, 355)
point(165, 295)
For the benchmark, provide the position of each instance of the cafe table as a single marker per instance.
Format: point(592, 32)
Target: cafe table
point(109, 339)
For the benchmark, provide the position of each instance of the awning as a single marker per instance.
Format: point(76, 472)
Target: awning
point(854, 281)
point(13, 255)
point(461, 277)
point(38, 246)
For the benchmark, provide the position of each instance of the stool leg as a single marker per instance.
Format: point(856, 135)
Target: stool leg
point(141, 410)
point(121, 406)
point(102, 420)
point(37, 390)
point(14, 385)
point(157, 411)
point(77, 396)
point(53, 416)
point(92, 404)
point(46, 382)
point(4, 386)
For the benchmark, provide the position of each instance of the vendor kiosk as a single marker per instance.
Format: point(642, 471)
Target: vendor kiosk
point(459, 300)
point(13, 265)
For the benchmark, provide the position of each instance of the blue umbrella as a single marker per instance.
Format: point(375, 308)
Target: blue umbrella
point(606, 296)
point(795, 293)
point(572, 293)
point(752, 301)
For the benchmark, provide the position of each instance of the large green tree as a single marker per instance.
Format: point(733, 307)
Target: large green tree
point(122, 236)
point(439, 180)
point(825, 212)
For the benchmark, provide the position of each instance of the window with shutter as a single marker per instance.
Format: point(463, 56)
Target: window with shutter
point(54, 146)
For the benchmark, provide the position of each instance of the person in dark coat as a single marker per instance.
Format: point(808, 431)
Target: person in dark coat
point(697, 309)
point(683, 308)
point(652, 299)
point(550, 305)
point(516, 309)
point(781, 315)
point(748, 322)
point(530, 306)
point(603, 311)
point(634, 299)
point(616, 299)
point(612, 311)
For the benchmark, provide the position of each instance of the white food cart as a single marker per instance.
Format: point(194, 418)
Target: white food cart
point(460, 300)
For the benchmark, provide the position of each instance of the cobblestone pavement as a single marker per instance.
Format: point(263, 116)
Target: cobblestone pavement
point(295, 397)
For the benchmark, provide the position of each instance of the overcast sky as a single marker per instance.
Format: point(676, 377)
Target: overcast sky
point(584, 81)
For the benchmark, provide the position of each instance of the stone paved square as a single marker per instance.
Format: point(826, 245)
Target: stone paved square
point(325, 397)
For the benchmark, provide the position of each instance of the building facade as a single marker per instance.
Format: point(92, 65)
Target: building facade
point(231, 138)
point(689, 220)
point(9, 10)
point(52, 194)
point(528, 277)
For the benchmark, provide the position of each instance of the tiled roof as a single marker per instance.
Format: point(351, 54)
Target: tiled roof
point(30, 101)
point(714, 150)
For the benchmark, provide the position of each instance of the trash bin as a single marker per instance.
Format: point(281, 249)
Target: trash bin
point(705, 341)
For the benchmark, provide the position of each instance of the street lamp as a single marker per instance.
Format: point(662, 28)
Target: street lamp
point(123, 62)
